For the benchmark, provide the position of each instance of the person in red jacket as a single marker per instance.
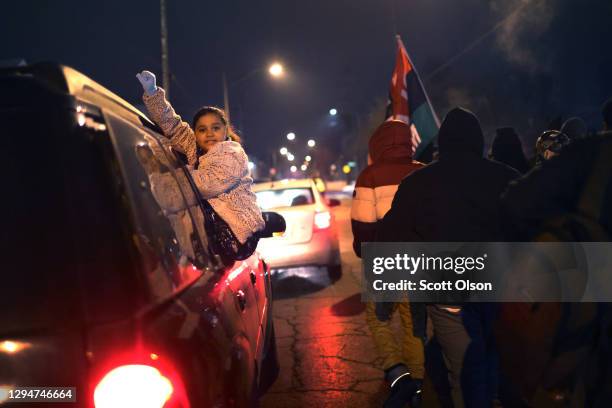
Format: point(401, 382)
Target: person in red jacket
point(390, 150)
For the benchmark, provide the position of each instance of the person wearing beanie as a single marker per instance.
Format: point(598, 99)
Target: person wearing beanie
point(456, 199)
point(390, 160)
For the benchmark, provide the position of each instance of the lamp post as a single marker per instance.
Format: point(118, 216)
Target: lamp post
point(164, 49)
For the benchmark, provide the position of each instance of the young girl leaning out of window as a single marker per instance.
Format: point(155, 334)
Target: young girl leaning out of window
point(217, 161)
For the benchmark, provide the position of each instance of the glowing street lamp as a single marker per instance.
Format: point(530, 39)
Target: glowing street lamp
point(290, 157)
point(311, 143)
point(283, 151)
point(333, 111)
point(276, 70)
point(308, 158)
point(304, 167)
point(291, 136)
point(293, 169)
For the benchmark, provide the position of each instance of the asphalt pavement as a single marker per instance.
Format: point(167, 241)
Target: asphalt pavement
point(326, 356)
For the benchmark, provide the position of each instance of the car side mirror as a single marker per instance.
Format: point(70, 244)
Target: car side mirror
point(333, 202)
point(274, 223)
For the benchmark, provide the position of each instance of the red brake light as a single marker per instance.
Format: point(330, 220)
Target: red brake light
point(136, 385)
point(322, 220)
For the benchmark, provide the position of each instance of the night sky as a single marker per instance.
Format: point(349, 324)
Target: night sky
point(546, 58)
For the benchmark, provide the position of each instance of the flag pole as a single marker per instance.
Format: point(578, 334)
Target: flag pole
point(435, 115)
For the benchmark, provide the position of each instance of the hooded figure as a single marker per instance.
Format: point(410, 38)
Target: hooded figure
point(575, 128)
point(566, 198)
point(390, 157)
point(507, 149)
point(390, 160)
point(455, 199)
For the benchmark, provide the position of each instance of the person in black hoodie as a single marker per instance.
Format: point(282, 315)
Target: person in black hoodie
point(455, 199)
point(507, 149)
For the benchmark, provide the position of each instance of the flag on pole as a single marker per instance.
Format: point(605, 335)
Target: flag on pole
point(409, 102)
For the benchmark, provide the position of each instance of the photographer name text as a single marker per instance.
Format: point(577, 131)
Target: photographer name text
point(425, 285)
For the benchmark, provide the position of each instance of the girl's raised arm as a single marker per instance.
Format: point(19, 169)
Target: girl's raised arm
point(162, 113)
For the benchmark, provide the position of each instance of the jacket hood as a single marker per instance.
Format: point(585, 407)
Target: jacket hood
point(574, 128)
point(507, 149)
point(392, 139)
point(460, 132)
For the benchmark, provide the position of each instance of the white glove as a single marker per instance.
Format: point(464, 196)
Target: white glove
point(147, 80)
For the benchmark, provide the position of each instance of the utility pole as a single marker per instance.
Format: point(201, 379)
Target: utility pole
point(164, 50)
point(226, 106)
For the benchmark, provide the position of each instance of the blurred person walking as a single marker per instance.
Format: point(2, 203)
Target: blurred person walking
point(390, 153)
point(575, 128)
point(567, 198)
point(456, 199)
point(508, 149)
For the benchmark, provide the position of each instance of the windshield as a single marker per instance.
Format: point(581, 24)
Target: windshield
point(288, 197)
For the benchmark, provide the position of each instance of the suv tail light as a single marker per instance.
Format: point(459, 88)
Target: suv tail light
point(137, 378)
point(135, 385)
point(322, 220)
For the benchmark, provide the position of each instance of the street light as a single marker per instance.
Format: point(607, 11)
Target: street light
point(291, 136)
point(311, 143)
point(293, 169)
point(304, 167)
point(333, 111)
point(308, 158)
point(283, 151)
point(290, 157)
point(276, 69)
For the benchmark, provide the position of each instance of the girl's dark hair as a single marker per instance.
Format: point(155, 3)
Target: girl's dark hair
point(221, 114)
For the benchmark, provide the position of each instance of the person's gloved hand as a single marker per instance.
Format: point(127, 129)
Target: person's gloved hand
point(147, 80)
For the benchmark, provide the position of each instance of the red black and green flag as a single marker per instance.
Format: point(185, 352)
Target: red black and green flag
point(409, 102)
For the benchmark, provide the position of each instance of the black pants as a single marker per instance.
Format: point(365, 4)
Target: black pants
point(469, 353)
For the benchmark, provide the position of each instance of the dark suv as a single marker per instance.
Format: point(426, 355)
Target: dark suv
point(108, 285)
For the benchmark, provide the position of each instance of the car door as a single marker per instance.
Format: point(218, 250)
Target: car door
point(239, 278)
point(193, 312)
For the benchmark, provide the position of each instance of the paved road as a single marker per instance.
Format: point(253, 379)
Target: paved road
point(326, 356)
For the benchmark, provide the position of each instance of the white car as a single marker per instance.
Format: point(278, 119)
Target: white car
point(311, 237)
